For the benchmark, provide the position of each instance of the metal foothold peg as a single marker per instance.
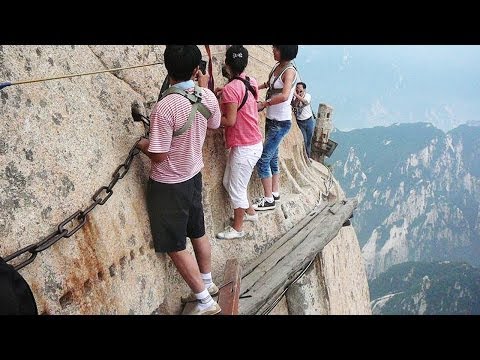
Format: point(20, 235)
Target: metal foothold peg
point(136, 112)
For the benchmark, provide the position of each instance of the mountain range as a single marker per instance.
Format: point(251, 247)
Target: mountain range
point(418, 191)
point(418, 288)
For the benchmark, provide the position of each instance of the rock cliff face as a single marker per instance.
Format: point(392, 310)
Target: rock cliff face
point(61, 141)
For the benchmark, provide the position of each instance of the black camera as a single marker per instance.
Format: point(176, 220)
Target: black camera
point(203, 66)
point(225, 72)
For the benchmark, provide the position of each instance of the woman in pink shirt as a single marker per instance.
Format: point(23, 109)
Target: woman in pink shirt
point(242, 136)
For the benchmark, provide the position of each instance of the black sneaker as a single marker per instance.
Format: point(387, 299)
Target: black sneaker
point(276, 198)
point(263, 205)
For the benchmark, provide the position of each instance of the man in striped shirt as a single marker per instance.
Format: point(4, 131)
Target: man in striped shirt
point(174, 197)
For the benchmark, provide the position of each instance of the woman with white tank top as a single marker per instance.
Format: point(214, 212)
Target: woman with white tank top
point(281, 86)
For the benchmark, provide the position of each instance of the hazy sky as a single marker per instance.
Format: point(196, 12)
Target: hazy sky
point(370, 85)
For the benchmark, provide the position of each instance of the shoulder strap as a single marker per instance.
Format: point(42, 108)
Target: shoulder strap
point(172, 90)
point(195, 99)
point(202, 108)
point(289, 66)
point(271, 73)
point(211, 84)
point(248, 87)
point(165, 85)
point(272, 90)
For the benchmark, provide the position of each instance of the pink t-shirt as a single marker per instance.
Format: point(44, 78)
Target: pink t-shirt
point(184, 151)
point(245, 131)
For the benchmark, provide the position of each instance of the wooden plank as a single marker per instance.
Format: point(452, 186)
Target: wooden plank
point(262, 293)
point(274, 255)
point(268, 306)
point(228, 296)
point(284, 238)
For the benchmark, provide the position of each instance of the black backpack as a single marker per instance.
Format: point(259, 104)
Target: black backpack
point(248, 87)
point(16, 297)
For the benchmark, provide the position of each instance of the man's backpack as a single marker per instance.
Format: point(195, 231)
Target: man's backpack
point(16, 297)
point(195, 99)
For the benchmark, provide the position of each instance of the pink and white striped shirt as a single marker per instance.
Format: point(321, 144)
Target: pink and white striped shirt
point(185, 158)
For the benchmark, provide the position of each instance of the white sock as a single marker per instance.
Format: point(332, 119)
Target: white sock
point(207, 279)
point(276, 194)
point(269, 199)
point(204, 300)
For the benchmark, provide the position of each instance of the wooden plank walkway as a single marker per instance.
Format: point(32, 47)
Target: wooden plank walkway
point(266, 277)
point(270, 274)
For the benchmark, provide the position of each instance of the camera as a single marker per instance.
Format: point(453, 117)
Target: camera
point(225, 72)
point(203, 66)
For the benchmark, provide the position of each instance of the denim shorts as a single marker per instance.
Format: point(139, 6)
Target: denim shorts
point(275, 131)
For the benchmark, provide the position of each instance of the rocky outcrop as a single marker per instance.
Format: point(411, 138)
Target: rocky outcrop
point(335, 283)
point(61, 140)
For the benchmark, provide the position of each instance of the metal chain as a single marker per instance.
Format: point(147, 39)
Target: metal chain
point(80, 216)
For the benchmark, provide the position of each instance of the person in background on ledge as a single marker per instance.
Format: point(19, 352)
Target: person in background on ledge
point(281, 86)
point(303, 112)
point(174, 192)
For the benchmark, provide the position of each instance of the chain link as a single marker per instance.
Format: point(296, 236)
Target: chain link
point(79, 217)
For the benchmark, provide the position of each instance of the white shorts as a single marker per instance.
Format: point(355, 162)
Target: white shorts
point(240, 163)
